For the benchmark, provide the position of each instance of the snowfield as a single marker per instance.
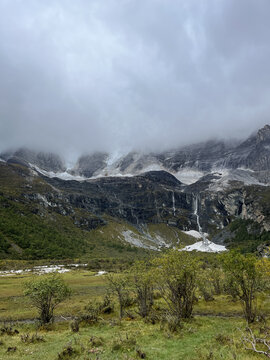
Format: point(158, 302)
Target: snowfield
point(201, 246)
point(188, 176)
point(63, 175)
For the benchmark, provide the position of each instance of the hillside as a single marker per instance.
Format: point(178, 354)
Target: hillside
point(121, 217)
point(38, 222)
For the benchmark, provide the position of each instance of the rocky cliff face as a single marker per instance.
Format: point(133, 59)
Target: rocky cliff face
point(254, 153)
point(223, 191)
point(158, 197)
point(154, 197)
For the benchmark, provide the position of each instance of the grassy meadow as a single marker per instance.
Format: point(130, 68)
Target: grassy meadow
point(214, 332)
point(201, 338)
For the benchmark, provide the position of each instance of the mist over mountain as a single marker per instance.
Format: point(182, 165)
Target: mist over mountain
point(150, 76)
point(130, 114)
point(247, 161)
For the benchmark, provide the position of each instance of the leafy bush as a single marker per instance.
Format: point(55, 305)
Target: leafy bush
point(176, 279)
point(247, 276)
point(45, 293)
point(91, 312)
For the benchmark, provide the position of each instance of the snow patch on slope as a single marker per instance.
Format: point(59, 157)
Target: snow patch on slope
point(227, 175)
point(188, 176)
point(146, 241)
point(136, 240)
point(114, 158)
point(194, 233)
point(61, 175)
point(201, 246)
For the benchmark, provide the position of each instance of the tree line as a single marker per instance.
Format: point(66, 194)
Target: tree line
point(165, 288)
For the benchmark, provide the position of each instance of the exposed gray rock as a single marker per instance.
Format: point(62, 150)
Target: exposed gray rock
point(45, 161)
point(87, 165)
point(208, 158)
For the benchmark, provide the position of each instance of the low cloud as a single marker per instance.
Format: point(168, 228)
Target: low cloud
point(153, 74)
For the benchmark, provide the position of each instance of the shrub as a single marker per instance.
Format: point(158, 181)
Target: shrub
point(8, 330)
point(35, 338)
point(205, 284)
point(92, 312)
point(75, 325)
point(153, 317)
point(118, 284)
point(171, 322)
point(142, 283)
point(176, 278)
point(247, 277)
point(45, 293)
point(67, 352)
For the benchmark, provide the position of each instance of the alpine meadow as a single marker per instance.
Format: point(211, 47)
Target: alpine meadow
point(134, 180)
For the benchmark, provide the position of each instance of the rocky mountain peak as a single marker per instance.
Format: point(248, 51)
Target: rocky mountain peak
point(87, 165)
point(263, 135)
point(44, 160)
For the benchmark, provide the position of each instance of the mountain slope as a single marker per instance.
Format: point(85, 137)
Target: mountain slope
point(43, 215)
point(51, 218)
point(197, 160)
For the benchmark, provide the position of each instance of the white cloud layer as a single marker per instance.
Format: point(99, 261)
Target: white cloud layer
point(88, 75)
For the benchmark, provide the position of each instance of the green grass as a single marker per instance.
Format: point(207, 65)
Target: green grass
point(84, 284)
point(196, 340)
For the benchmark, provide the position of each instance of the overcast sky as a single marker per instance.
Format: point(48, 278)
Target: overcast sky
point(84, 75)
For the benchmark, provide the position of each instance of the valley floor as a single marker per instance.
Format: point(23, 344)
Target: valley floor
point(214, 333)
point(202, 338)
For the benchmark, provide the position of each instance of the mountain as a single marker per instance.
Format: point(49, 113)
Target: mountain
point(247, 161)
point(112, 205)
point(45, 161)
point(189, 162)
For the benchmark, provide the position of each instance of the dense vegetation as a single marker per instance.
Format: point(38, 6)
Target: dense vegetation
point(247, 235)
point(154, 310)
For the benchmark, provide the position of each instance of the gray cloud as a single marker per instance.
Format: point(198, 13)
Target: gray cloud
point(79, 76)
